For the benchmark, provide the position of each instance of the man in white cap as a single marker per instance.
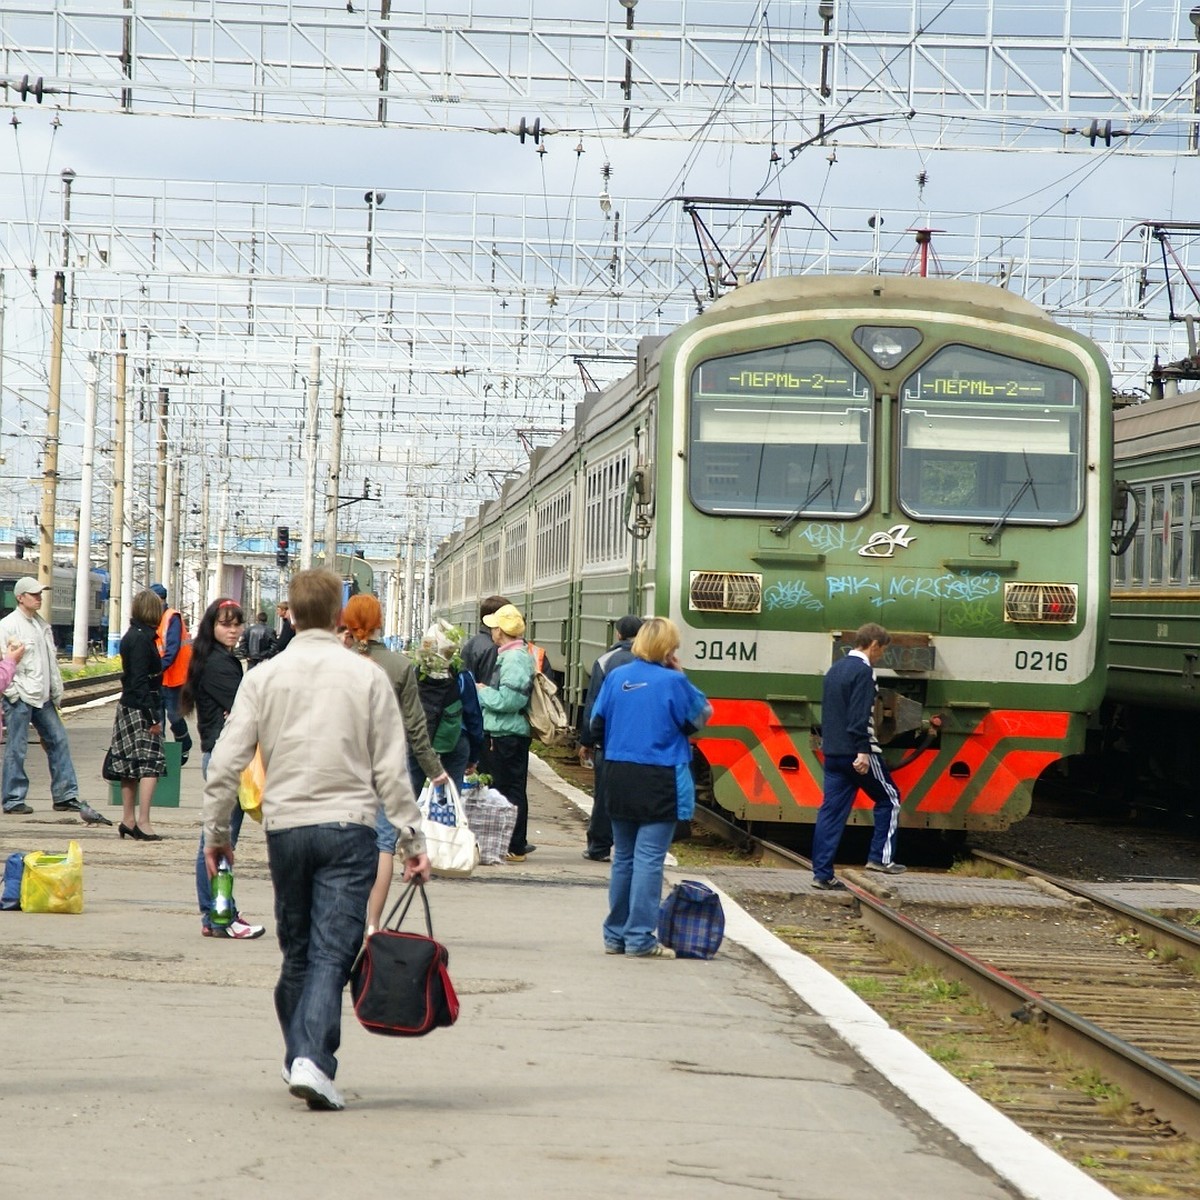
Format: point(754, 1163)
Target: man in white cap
point(33, 697)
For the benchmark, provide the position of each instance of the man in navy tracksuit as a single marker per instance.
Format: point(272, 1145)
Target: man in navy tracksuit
point(853, 760)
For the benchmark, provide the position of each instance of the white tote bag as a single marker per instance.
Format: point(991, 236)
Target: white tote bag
point(449, 842)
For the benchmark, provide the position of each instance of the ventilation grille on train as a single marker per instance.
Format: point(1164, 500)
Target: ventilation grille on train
point(726, 591)
point(1041, 603)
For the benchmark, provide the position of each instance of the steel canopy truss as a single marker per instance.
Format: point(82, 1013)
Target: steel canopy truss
point(994, 74)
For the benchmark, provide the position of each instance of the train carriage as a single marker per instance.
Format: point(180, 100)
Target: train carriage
point(810, 454)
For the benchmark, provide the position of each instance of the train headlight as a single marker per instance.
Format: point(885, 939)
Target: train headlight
point(1041, 603)
point(725, 591)
point(887, 344)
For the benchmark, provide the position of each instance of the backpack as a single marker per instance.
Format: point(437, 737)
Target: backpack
point(449, 728)
point(547, 717)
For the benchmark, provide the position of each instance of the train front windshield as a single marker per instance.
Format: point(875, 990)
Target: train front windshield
point(781, 430)
point(985, 436)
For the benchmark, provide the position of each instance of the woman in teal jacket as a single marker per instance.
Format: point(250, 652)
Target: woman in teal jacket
point(507, 735)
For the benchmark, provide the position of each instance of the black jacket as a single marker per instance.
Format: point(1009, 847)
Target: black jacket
point(479, 656)
point(215, 692)
point(847, 700)
point(615, 656)
point(141, 670)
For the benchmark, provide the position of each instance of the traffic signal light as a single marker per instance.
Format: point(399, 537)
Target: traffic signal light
point(281, 545)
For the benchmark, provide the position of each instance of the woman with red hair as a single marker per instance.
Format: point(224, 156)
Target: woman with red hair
point(363, 619)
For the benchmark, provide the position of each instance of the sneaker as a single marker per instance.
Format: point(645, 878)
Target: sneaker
point(514, 858)
point(243, 930)
point(892, 868)
point(19, 810)
point(286, 1074)
point(658, 950)
point(312, 1085)
point(829, 885)
point(613, 948)
point(529, 848)
point(597, 856)
point(67, 806)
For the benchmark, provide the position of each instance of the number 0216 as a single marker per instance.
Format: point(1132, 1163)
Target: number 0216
point(1054, 661)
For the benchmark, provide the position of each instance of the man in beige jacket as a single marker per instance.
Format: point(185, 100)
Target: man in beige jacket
point(333, 747)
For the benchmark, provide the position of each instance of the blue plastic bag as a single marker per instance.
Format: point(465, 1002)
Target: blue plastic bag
point(10, 894)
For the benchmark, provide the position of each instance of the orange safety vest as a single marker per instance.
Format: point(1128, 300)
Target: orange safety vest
point(176, 674)
point(539, 656)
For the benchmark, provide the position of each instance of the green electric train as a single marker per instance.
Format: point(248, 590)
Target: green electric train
point(1149, 749)
point(807, 455)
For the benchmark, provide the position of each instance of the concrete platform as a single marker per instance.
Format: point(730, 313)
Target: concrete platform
point(141, 1060)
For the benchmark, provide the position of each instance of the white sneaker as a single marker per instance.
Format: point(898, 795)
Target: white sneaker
point(312, 1085)
point(237, 928)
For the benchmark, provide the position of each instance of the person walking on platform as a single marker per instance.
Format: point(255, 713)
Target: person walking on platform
point(257, 642)
point(363, 619)
point(479, 650)
point(853, 760)
point(599, 831)
point(449, 701)
point(137, 743)
point(214, 676)
point(507, 733)
point(334, 750)
point(175, 648)
point(32, 697)
point(643, 717)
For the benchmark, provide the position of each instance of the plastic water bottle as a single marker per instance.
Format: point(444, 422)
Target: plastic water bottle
point(222, 907)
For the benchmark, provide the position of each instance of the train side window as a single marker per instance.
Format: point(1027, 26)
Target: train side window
point(1176, 533)
point(1158, 495)
point(1194, 535)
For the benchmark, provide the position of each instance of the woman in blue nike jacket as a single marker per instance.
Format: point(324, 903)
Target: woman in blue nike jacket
point(643, 716)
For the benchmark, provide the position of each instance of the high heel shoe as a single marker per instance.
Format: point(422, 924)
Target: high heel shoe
point(125, 831)
point(142, 836)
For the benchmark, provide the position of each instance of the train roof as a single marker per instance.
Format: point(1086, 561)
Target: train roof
point(1156, 427)
point(892, 289)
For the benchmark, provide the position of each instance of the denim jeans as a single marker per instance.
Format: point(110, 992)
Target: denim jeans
point(635, 883)
point(15, 786)
point(173, 716)
point(322, 876)
point(203, 883)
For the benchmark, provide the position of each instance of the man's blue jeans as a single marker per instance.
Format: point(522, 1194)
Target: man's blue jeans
point(635, 884)
point(17, 717)
point(322, 876)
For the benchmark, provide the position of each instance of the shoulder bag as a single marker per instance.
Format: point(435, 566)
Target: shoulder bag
point(400, 982)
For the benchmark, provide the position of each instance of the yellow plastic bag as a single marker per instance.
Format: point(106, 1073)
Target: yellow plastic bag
point(250, 787)
point(53, 882)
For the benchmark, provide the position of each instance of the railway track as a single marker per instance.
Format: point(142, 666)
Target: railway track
point(1106, 986)
point(91, 687)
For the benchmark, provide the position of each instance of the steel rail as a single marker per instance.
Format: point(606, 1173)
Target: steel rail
point(1161, 931)
point(88, 688)
point(1174, 1096)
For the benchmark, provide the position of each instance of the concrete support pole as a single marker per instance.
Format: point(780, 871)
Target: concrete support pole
point(427, 591)
point(116, 544)
point(311, 425)
point(334, 489)
point(218, 585)
point(162, 562)
point(127, 516)
point(46, 525)
point(83, 557)
point(205, 587)
point(406, 627)
point(166, 552)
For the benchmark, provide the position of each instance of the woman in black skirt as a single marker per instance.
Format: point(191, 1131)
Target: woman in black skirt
point(137, 745)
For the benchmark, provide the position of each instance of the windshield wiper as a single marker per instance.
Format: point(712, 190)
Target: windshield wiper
point(784, 527)
point(1027, 486)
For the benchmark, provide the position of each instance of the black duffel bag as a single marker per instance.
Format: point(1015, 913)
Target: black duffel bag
point(399, 982)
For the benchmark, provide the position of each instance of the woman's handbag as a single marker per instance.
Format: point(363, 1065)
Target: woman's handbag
point(691, 920)
point(399, 982)
point(106, 768)
point(449, 842)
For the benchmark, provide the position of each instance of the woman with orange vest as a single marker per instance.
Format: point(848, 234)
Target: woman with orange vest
point(175, 648)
